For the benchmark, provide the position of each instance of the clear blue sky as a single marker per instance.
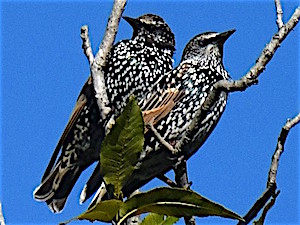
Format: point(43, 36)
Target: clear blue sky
point(43, 69)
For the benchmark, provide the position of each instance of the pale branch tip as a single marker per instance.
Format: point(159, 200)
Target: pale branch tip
point(292, 122)
point(2, 221)
point(110, 31)
point(280, 148)
point(100, 59)
point(86, 44)
point(279, 14)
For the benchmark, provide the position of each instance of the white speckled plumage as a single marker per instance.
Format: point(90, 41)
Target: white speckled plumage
point(172, 103)
point(132, 67)
point(200, 68)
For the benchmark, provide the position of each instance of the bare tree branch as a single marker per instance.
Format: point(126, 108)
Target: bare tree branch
point(266, 209)
point(279, 14)
point(164, 160)
point(100, 58)
point(161, 139)
point(258, 205)
point(247, 80)
point(168, 181)
point(99, 61)
point(86, 44)
point(280, 148)
point(271, 183)
point(292, 122)
point(267, 54)
point(2, 221)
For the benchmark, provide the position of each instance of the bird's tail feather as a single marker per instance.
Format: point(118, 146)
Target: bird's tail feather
point(45, 190)
point(92, 185)
point(56, 188)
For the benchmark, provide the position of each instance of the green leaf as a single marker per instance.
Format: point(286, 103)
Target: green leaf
point(174, 202)
point(170, 220)
point(122, 146)
point(105, 211)
point(157, 219)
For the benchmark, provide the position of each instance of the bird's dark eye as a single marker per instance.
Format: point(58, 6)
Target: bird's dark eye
point(200, 43)
point(148, 26)
point(203, 42)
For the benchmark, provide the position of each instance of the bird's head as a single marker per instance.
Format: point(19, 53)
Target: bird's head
point(153, 29)
point(206, 44)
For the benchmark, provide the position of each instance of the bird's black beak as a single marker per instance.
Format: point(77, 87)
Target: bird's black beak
point(135, 23)
point(222, 37)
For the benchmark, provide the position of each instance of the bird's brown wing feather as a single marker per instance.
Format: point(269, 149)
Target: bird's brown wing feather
point(157, 107)
point(81, 102)
point(160, 103)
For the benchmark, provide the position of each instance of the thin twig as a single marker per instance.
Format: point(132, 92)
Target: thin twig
point(279, 14)
point(258, 205)
point(266, 210)
point(2, 221)
point(168, 181)
point(161, 139)
point(86, 44)
point(99, 61)
point(280, 148)
point(271, 183)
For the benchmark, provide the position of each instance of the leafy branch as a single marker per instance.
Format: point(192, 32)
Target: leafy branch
point(118, 163)
point(119, 154)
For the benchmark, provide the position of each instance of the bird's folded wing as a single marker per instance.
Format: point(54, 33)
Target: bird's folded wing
point(81, 101)
point(158, 105)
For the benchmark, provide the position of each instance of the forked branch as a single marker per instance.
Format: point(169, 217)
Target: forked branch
point(267, 54)
point(279, 14)
point(271, 183)
point(98, 62)
point(250, 78)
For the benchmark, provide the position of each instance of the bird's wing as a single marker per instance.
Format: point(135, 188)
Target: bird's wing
point(81, 102)
point(160, 104)
point(167, 92)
